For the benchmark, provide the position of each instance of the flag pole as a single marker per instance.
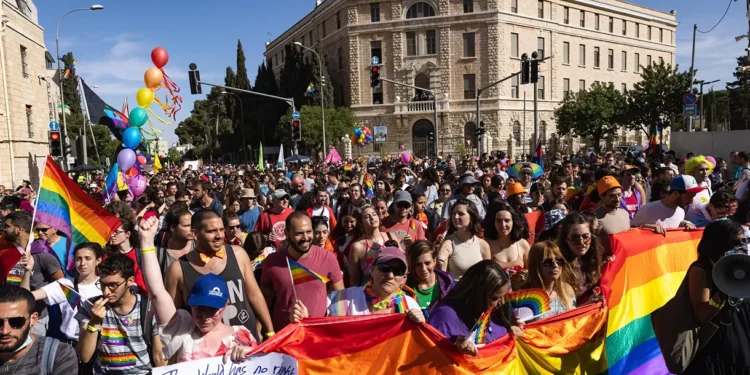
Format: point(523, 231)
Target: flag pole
point(294, 289)
point(33, 214)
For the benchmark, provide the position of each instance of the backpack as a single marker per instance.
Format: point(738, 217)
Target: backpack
point(48, 355)
point(143, 310)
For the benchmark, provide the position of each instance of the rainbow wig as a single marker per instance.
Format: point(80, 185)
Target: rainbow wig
point(695, 161)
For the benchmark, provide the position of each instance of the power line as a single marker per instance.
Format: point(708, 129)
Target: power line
point(721, 19)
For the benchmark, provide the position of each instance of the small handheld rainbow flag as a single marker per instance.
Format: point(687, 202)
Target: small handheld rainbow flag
point(347, 167)
point(529, 303)
point(310, 89)
point(479, 331)
point(369, 191)
point(301, 274)
point(71, 296)
point(257, 262)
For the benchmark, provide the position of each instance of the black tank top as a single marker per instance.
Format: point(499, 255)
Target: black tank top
point(238, 312)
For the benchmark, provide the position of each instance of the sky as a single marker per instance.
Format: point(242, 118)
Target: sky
point(113, 46)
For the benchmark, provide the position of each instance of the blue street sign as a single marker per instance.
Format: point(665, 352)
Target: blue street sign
point(295, 115)
point(54, 125)
point(374, 61)
point(690, 98)
point(689, 110)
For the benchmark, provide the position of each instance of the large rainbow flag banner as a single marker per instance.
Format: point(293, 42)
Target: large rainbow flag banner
point(633, 291)
point(63, 205)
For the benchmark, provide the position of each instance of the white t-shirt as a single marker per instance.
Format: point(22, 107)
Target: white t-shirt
point(352, 301)
point(705, 195)
point(55, 296)
point(657, 213)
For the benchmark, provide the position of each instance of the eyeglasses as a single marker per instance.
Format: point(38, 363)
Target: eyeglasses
point(42, 229)
point(445, 191)
point(387, 268)
point(16, 322)
point(579, 237)
point(550, 263)
point(111, 287)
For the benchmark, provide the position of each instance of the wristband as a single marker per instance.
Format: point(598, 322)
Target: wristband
point(147, 250)
point(714, 304)
point(270, 334)
point(93, 329)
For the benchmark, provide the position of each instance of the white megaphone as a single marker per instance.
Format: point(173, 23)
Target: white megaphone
point(731, 274)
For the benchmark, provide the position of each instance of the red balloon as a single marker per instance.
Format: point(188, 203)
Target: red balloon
point(160, 57)
point(141, 159)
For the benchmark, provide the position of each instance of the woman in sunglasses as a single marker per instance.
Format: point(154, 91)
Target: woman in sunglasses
point(386, 293)
point(549, 270)
point(581, 248)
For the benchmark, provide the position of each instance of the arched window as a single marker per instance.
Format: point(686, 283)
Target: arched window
point(420, 10)
point(423, 141)
point(423, 81)
point(470, 134)
point(517, 131)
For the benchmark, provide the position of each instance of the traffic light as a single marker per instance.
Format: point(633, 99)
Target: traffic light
point(194, 76)
point(55, 143)
point(480, 129)
point(374, 75)
point(296, 130)
point(525, 69)
point(534, 71)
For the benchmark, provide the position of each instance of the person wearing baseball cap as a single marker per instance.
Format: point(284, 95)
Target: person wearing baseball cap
point(465, 191)
point(612, 218)
point(632, 192)
point(249, 211)
point(272, 222)
point(400, 224)
point(386, 293)
point(668, 212)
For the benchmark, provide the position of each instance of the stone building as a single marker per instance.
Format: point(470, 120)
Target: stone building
point(25, 110)
point(457, 46)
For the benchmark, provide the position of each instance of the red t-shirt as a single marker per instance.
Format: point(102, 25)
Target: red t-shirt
point(138, 272)
point(312, 293)
point(270, 222)
point(398, 231)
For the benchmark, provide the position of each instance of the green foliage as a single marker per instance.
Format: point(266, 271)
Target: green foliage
point(739, 96)
point(199, 129)
point(295, 76)
point(716, 109)
point(596, 113)
point(657, 98)
point(266, 111)
point(173, 156)
point(339, 122)
point(323, 86)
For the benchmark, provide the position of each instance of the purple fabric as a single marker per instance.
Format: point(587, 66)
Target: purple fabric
point(445, 317)
point(654, 366)
point(637, 198)
point(40, 246)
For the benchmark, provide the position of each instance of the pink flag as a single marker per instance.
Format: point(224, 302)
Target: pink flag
point(333, 157)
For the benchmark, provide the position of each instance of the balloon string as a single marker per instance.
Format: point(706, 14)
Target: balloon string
point(157, 117)
point(172, 87)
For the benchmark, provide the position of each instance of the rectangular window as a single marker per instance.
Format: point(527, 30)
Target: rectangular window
point(566, 87)
point(323, 29)
point(29, 123)
point(468, 6)
point(540, 88)
point(611, 25)
point(637, 62)
point(566, 15)
point(581, 55)
point(513, 45)
point(342, 98)
point(624, 27)
point(311, 39)
point(648, 60)
point(649, 33)
point(514, 6)
point(540, 11)
point(469, 50)
point(596, 22)
point(24, 63)
point(637, 30)
point(583, 19)
point(411, 44)
point(338, 20)
point(611, 59)
point(624, 88)
point(430, 42)
point(581, 84)
point(374, 12)
point(566, 53)
point(514, 87)
point(376, 49)
point(377, 97)
point(624, 62)
point(469, 86)
point(661, 60)
point(540, 48)
point(596, 57)
point(661, 35)
point(340, 53)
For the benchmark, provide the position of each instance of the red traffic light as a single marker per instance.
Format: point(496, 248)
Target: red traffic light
point(375, 68)
point(295, 123)
point(54, 136)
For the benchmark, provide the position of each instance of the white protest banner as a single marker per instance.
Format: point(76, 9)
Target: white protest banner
point(191, 163)
point(263, 364)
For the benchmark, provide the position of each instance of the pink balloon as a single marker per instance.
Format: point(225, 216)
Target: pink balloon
point(711, 159)
point(137, 185)
point(141, 159)
point(405, 157)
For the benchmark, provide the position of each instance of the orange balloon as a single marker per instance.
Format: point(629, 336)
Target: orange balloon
point(153, 78)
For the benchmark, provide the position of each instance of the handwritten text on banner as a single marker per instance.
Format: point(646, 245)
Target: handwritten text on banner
point(263, 364)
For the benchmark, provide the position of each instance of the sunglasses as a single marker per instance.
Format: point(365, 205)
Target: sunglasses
point(403, 205)
point(445, 190)
point(550, 263)
point(16, 322)
point(387, 268)
point(233, 227)
point(41, 229)
point(579, 237)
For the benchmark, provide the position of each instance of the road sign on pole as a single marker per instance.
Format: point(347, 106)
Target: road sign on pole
point(374, 60)
point(295, 115)
point(381, 134)
point(689, 110)
point(689, 98)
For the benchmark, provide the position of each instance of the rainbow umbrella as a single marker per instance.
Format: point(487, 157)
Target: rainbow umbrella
point(515, 169)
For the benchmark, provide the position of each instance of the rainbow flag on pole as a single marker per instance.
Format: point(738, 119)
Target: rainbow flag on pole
point(369, 187)
point(301, 274)
point(71, 296)
point(479, 331)
point(63, 205)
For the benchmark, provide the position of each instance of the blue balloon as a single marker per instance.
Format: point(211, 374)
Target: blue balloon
point(358, 132)
point(131, 137)
point(138, 117)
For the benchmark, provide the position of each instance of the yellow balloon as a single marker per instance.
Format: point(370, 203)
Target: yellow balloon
point(144, 97)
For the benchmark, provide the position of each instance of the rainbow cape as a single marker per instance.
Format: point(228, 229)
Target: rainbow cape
point(535, 301)
point(71, 296)
point(301, 274)
point(63, 205)
point(369, 187)
point(479, 331)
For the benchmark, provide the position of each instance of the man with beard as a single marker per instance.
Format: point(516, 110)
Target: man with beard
point(668, 212)
point(180, 241)
point(22, 353)
point(272, 222)
point(230, 262)
point(298, 189)
point(275, 281)
point(612, 218)
point(204, 200)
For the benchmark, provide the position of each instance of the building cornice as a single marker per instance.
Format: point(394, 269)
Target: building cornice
point(625, 11)
point(283, 39)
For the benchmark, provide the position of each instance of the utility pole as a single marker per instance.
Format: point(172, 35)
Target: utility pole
point(523, 133)
point(692, 75)
point(480, 146)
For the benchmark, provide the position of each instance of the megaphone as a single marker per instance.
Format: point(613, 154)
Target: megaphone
point(731, 274)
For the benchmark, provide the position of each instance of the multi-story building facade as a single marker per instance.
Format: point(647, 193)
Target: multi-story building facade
point(457, 46)
point(25, 111)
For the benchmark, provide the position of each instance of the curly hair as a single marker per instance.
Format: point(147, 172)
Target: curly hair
point(695, 162)
point(520, 228)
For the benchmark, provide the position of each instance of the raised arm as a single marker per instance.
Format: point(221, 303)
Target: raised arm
point(164, 306)
point(356, 253)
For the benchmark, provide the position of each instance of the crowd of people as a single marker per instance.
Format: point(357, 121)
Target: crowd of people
point(200, 265)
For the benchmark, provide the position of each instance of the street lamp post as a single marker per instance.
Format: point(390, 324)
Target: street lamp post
point(242, 128)
point(60, 77)
point(322, 95)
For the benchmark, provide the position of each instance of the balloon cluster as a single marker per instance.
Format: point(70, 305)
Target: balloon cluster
point(362, 136)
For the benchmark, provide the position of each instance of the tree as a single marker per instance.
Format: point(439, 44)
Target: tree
point(339, 122)
point(266, 111)
point(596, 113)
point(199, 129)
point(323, 86)
point(739, 95)
point(295, 76)
point(173, 155)
point(657, 98)
point(716, 110)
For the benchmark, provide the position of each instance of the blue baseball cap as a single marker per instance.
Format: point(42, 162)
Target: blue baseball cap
point(209, 290)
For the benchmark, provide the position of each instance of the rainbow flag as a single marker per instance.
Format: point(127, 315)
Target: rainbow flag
point(568, 343)
point(63, 205)
point(369, 187)
point(633, 292)
point(310, 89)
point(479, 331)
point(71, 296)
point(347, 167)
point(257, 262)
point(69, 68)
point(530, 303)
point(301, 274)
